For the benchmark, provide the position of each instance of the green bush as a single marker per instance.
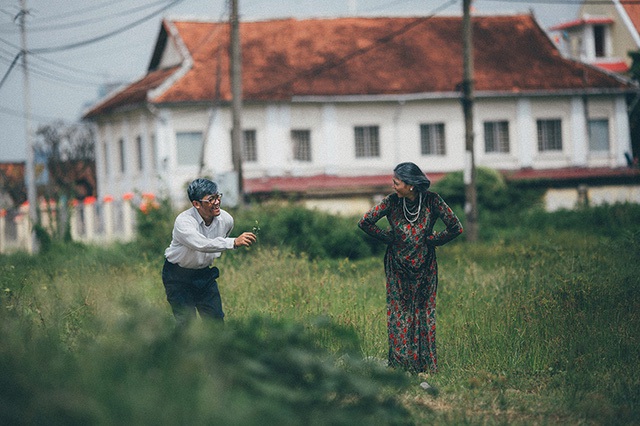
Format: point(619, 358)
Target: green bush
point(495, 194)
point(252, 373)
point(154, 224)
point(309, 232)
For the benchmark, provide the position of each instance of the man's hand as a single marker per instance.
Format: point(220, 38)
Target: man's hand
point(244, 239)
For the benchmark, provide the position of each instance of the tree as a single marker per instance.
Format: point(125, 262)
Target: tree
point(68, 151)
point(13, 190)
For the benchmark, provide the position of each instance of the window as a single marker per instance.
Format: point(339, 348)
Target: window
point(121, 153)
point(367, 141)
point(599, 135)
point(549, 135)
point(249, 146)
point(105, 156)
point(496, 136)
point(599, 32)
point(432, 139)
point(189, 148)
point(139, 148)
point(154, 151)
point(301, 145)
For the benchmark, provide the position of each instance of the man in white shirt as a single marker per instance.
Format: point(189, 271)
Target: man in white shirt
point(200, 235)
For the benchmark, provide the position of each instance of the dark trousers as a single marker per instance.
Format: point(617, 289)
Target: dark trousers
point(189, 290)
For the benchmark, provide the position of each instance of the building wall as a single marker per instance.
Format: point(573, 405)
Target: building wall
point(331, 126)
point(570, 198)
point(621, 40)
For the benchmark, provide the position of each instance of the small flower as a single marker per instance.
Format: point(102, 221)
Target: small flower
point(256, 228)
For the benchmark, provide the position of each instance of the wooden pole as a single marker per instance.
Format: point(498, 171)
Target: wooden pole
point(236, 93)
point(471, 196)
point(30, 176)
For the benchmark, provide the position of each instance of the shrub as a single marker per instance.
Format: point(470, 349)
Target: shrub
point(313, 233)
point(154, 224)
point(493, 193)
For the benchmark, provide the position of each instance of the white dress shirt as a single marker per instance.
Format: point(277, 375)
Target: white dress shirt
point(195, 245)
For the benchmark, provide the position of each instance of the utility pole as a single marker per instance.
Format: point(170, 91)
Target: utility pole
point(30, 175)
point(236, 94)
point(471, 196)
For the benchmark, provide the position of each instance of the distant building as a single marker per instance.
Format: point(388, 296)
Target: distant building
point(603, 34)
point(330, 106)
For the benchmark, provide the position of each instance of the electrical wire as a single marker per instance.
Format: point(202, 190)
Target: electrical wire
point(81, 11)
point(107, 35)
point(22, 114)
point(54, 75)
point(13, 63)
point(77, 24)
point(567, 2)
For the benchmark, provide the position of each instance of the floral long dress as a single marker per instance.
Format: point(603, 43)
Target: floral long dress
point(412, 274)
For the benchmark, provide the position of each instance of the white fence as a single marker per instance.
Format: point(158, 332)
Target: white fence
point(91, 221)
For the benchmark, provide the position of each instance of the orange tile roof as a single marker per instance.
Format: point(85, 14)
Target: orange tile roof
point(633, 10)
point(344, 185)
point(581, 22)
point(366, 56)
point(324, 184)
point(133, 94)
point(618, 66)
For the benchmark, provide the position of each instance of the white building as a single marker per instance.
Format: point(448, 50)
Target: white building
point(330, 106)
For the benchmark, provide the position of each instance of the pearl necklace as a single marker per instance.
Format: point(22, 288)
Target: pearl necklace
point(408, 213)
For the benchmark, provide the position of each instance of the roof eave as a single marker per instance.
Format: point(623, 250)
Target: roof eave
point(456, 95)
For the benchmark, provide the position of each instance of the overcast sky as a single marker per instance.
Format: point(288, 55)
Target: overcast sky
point(71, 64)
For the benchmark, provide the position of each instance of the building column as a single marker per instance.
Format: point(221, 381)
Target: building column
point(277, 152)
point(621, 143)
point(527, 141)
point(579, 133)
point(330, 138)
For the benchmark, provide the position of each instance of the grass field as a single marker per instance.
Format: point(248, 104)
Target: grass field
point(537, 324)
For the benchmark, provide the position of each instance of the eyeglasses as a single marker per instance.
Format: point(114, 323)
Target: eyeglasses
point(212, 199)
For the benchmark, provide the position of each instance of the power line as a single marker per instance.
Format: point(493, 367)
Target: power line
point(51, 74)
point(107, 35)
point(76, 24)
point(13, 63)
point(19, 114)
point(568, 2)
point(91, 8)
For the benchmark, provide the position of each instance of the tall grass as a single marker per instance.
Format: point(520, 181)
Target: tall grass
point(537, 324)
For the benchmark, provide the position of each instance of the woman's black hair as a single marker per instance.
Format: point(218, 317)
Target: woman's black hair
point(411, 174)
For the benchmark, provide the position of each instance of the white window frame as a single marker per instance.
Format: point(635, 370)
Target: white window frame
point(188, 145)
point(249, 146)
point(549, 133)
point(367, 141)
point(301, 143)
point(140, 152)
point(432, 139)
point(496, 137)
point(595, 143)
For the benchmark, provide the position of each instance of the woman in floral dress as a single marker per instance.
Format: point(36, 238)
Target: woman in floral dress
point(410, 265)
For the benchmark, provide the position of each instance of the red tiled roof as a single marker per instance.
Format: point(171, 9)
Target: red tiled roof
point(346, 185)
point(323, 183)
point(619, 67)
point(133, 94)
point(581, 22)
point(633, 10)
point(573, 173)
point(368, 56)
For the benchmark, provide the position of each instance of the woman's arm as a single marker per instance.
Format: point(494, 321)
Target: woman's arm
point(451, 221)
point(368, 222)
